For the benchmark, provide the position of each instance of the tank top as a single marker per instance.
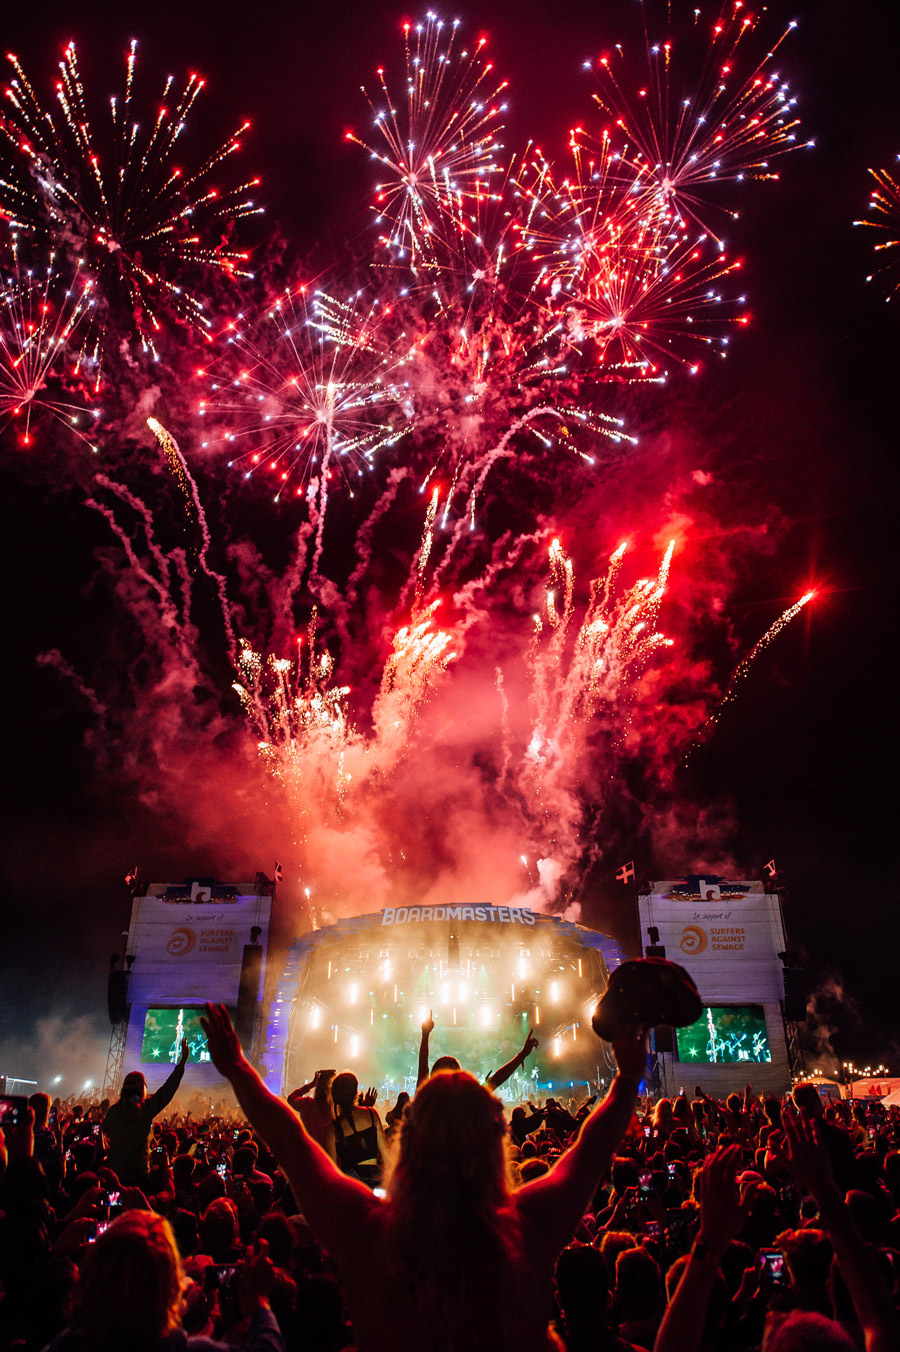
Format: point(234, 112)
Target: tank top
point(357, 1147)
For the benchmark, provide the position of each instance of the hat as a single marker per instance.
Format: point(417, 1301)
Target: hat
point(646, 992)
point(133, 1080)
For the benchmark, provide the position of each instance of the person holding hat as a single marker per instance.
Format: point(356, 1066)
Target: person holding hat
point(128, 1123)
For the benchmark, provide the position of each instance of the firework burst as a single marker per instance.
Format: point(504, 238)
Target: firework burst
point(307, 389)
point(884, 205)
point(689, 132)
point(437, 144)
point(41, 319)
point(115, 196)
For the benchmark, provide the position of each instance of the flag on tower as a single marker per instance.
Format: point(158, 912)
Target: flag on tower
point(279, 875)
point(626, 872)
point(132, 877)
point(771, 867)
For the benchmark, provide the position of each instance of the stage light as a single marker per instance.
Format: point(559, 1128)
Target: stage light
point(554, 992)
point(315, 1017)
point(557, 1046)
point(487, 1015)
point(423, 1013)
point(463, 992)
point(334, 1026)
point(371, 1016)
point(354, 1046)
point(445, 993)
point(523, 967)
point(512, 992)
point(329, 971)
point(386, 970)
point(354, 992)
point(579, 966)
point(537, 1016)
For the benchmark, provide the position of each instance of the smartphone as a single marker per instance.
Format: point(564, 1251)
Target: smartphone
point(645, 1186)
point(115, 1204)
point(379, 1192)
point(646, 1131)
point(13, 1110)
point(651, 1229)
point(222, 1168)
point(670, 1168)
point(774, 1261)
point(219, 1275)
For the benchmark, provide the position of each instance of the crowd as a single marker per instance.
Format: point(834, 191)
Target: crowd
point(315, 1225)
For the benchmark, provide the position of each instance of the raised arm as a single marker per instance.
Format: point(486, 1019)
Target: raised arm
point(427, 1030)
point(556, 1202)
point(494, 1081)
point(723, 1212)
point(166, 1092)
point(333, 1204)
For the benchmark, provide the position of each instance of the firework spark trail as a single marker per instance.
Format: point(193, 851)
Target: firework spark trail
point(116, 196)
point(505, 556)
point(575, 675)
point(40, 316)
point(742, 669)
point(884, 204)
point(367, 530)
point(54, 658)
point(189, 488)
point(160, 588)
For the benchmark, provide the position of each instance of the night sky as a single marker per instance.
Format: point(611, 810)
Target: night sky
point(802, 416)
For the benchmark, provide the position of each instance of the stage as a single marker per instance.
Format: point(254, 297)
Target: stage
point(355, 994)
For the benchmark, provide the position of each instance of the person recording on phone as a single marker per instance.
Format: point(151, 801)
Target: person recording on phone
point(129, 1122)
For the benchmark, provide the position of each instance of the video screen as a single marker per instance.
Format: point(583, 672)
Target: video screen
point(164, 1029)
point(724, 1034)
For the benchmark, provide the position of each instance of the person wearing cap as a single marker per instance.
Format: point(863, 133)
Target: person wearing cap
point(128, 1123)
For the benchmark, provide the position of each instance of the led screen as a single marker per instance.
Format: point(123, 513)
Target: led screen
point(164, 1029)
point(724, 1034)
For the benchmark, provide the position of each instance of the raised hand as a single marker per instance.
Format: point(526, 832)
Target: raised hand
point(367, 1100)
point(185, 1051)
point(428, 1025)
point(804, 1154)
point(531, 1044)
point(222, 1040)
point(723, 1210)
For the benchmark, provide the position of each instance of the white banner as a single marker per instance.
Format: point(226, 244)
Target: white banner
point(192, 949)
point(726, 934)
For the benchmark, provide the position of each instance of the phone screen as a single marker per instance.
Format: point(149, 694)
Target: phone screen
point(774, 1260)
point(13, 1109)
